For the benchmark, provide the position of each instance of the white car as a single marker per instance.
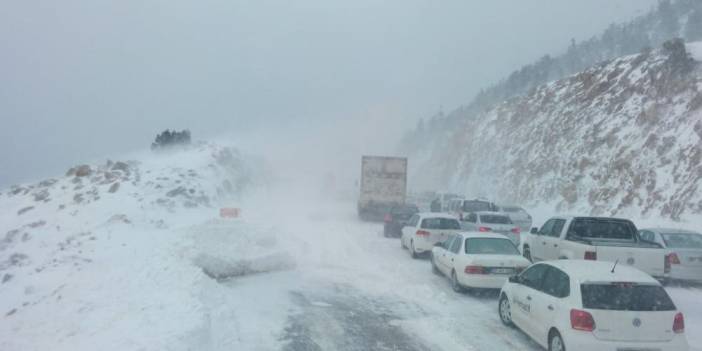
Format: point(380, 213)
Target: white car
point(590, 305)
point(493, 222)
point(684, 251)
point(518, 215)
point(477, 260)
point(423, 230)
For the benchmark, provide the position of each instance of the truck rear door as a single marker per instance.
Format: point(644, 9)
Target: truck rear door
point(649, 260)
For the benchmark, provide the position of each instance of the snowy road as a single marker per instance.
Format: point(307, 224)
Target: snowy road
point(351, 289)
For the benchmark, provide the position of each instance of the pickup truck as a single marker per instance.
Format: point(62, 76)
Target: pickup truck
point(596, 238)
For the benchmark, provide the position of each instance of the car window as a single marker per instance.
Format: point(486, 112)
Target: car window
point(476, 206)
point(602, 228)
point(622, 296)
point(495, 219)
point(547, 227)
point(533, 276)
point(647, 235)
point(682, 240)
point(557, 228)
point(490, 246)
point(405, 210)
point(440, 223)
point(455, 245)
point(447, 243)
point(413, 221)
point(472, 218)
point(556, 283)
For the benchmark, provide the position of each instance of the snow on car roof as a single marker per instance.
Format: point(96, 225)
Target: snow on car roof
point(601, 271)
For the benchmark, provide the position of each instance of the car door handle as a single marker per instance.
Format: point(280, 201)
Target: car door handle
point(529, 298)
point(550, 308)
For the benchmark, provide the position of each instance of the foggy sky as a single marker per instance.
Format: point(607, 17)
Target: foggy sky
point(84, 80)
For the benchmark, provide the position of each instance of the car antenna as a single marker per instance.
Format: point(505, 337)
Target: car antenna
point(615, 265)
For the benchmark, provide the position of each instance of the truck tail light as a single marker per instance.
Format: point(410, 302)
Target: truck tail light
point(591, 255)
point(484, 229)
point(423, 233)
point(388, 218)
point(679, 323)
point(516, 230)
point(474, 270)
point(581, 320)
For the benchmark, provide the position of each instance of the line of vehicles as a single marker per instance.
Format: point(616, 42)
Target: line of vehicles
point(575, 283)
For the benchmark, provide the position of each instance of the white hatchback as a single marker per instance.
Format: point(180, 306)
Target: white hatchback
point(477, 260)
point(592, 305)
point(424, 230)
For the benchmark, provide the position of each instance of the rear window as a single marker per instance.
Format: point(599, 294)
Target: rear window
point(476, 206)
point(440, 223)
point(626, 297)
point(405, 210)
point(495, 219)
point(490, 246)
point(602, 229)
point(682, 240)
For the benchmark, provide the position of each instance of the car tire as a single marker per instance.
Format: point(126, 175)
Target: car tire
point(527, 253)
point(413, 253)
point(555, 341)
point(455, 285)
point(505, 311)
point(434, 268)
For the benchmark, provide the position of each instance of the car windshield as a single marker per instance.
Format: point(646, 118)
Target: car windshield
point(440, 223)
point(476, 206)
point(682, 240)
point(626, 297)
point(490, 246)
point(495, 219)
point(599, 228)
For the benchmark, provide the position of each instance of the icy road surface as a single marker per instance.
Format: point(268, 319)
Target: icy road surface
point(351, 289)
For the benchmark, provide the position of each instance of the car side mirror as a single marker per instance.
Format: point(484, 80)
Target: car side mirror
point(534, 230)
point(514, 279)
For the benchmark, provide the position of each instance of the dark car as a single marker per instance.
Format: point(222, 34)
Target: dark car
point(396, 218)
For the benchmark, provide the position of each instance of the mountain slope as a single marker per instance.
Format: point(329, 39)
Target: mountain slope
point(620, 138)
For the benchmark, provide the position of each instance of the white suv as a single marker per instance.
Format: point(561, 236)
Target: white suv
point(590, 305)
point(424, 230)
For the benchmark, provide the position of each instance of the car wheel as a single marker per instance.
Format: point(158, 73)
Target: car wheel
point(527, 253)
point(505, 311)
point(555, 342)
point(413, 253)
point(434, 268)
point(455, 285)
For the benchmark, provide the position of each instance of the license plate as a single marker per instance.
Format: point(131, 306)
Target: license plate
point(502, 271)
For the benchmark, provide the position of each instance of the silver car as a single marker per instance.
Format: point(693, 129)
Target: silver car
point(684, 251)
point(493, 222)
point(518, 215)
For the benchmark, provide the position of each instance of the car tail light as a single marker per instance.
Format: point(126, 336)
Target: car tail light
point(679, 323)
point(516, 230)
point(474, 270)
point(581, 320)
point(484, 229)
point(591, 255)
point(673, 258)
point(388, 218)
point(423, 233)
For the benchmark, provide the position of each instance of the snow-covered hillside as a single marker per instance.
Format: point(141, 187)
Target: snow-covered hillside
point(104, 256)
point(621, 138)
